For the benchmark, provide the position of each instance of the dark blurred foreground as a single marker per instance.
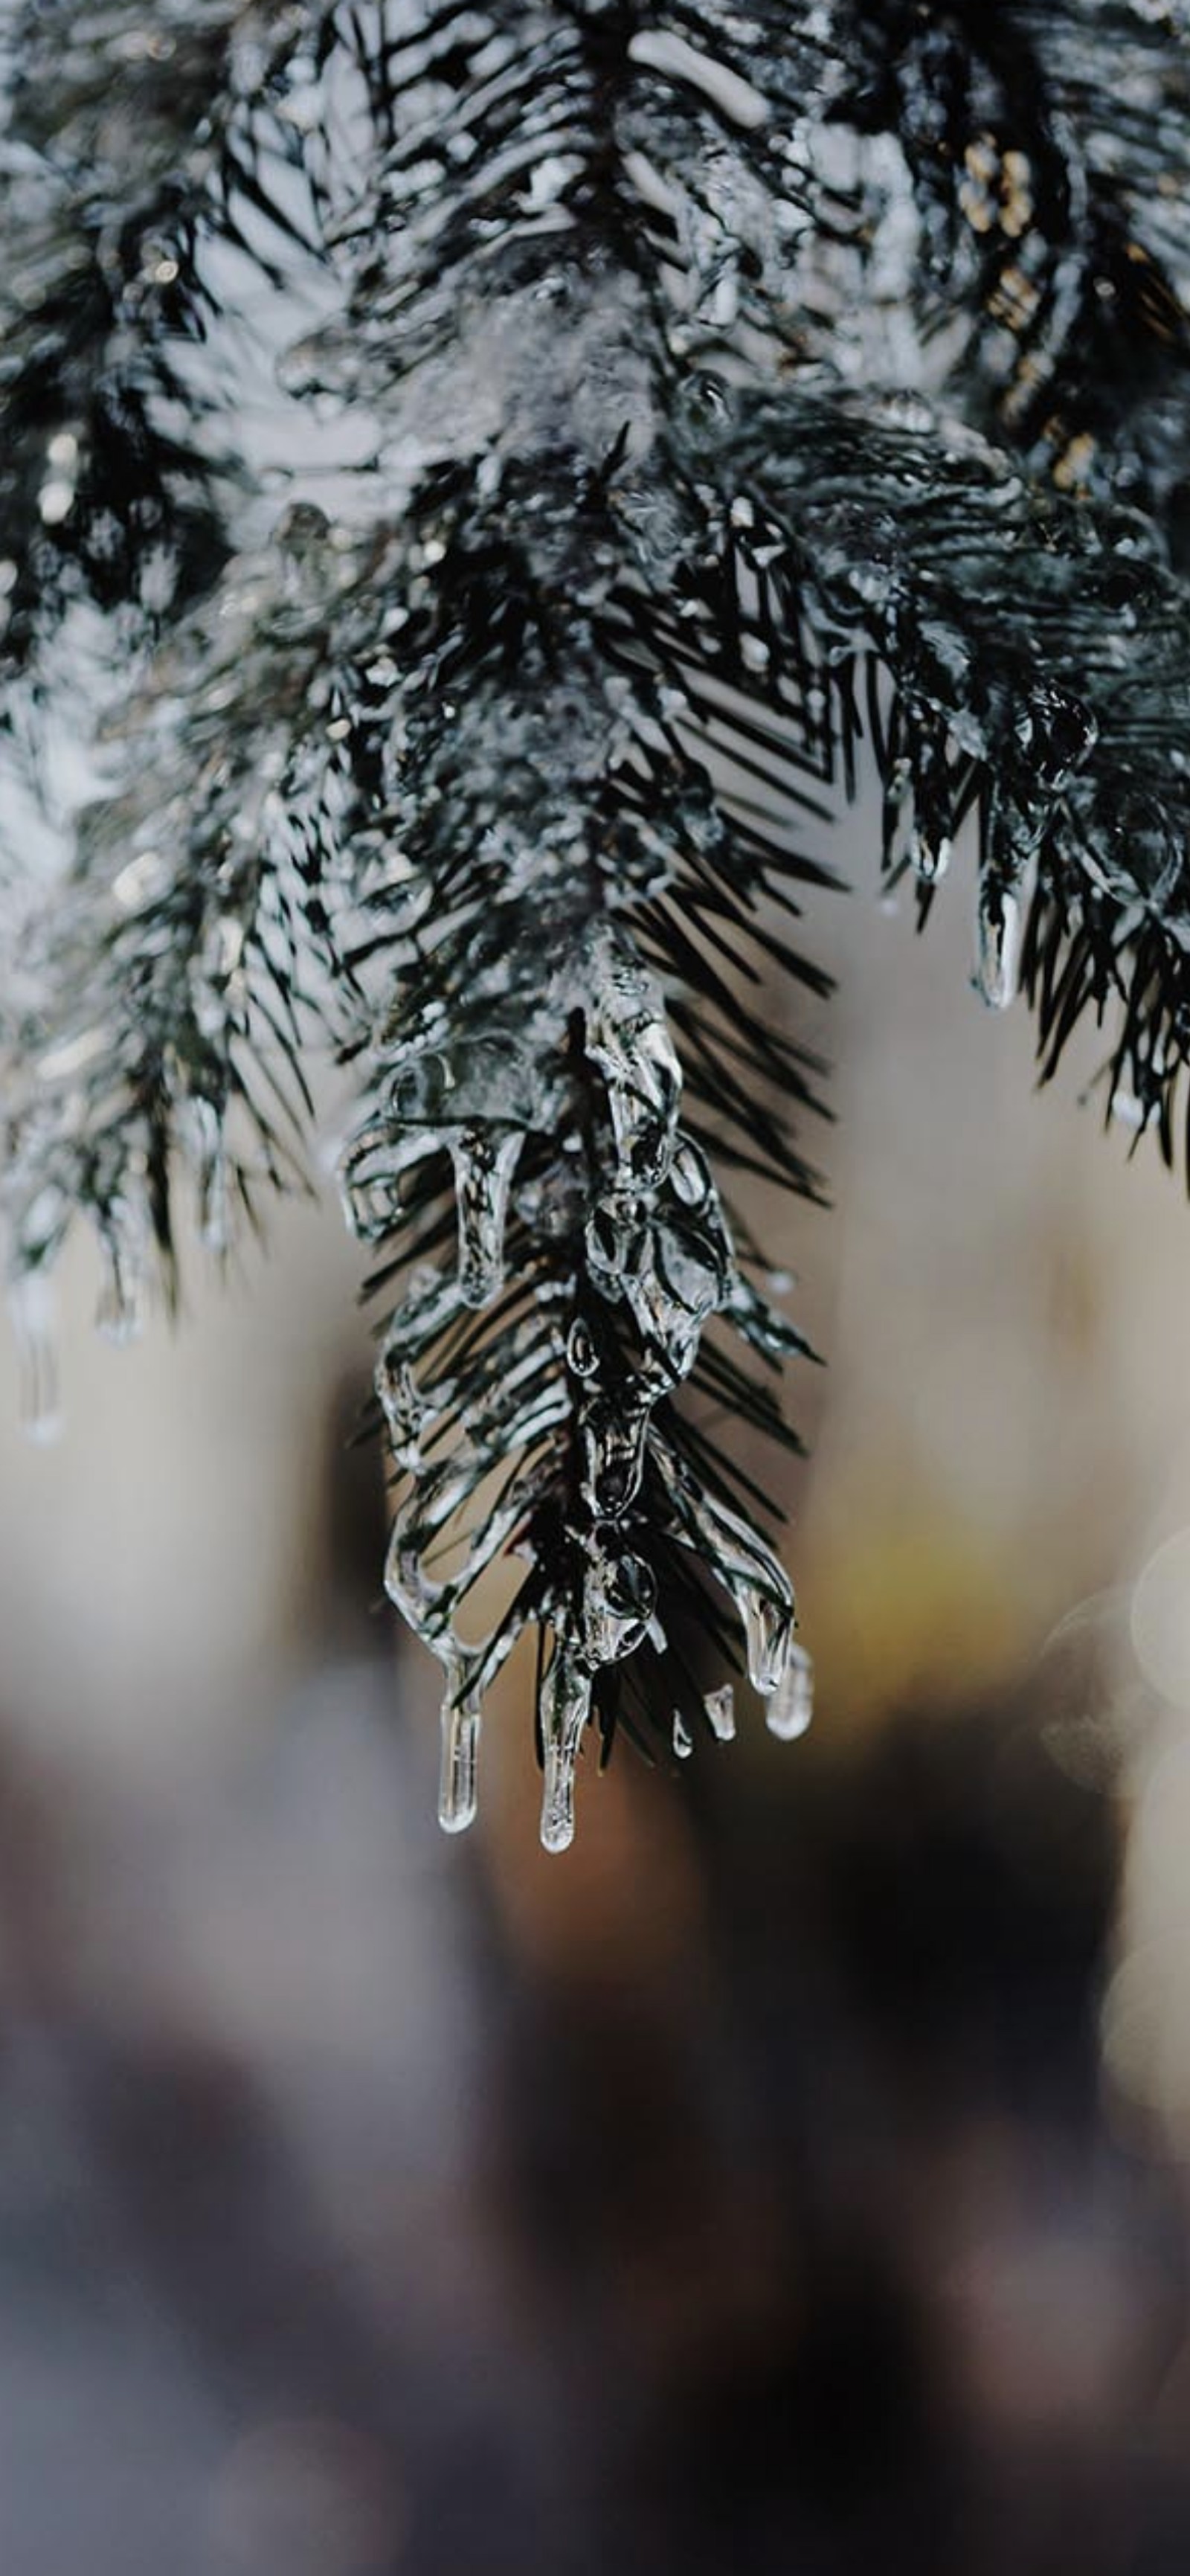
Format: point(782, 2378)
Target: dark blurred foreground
point(740, 2197)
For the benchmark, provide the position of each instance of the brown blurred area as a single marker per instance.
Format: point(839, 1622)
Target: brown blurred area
point(788, 2182)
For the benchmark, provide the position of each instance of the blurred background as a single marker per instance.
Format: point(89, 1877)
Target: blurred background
point(792, 2178)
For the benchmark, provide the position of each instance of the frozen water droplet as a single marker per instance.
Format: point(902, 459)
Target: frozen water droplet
point(1057, 733)
point(140, 880)
point(931, 859)
point(119, 1313)
point(205, 1127)
point(458, 1788)
point(1125, 1106)
point(582, 1357)
point(683, 1741)
point(767, 1622)
point(31, 1305)
point(565, 1708)
point(484, 1161)
point(690, 1174)
point(900, 816)
point(791, 1706)
point(613, 1430)
point(720, 1708)
point(1000, 928)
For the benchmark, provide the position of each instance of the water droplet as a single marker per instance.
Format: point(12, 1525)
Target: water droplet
point(1057, 733)
point(31, 1305)
point(613, 1431)
point(931, 859)
point(1000, 928)
point(720, 1708)
point(582, 1356)
point(1125, 1106)
point(565, 1708)
point(458, 1787)
point(206, 1138)
point(767, 1620)
point(119, 1312)
point(791, 1706)
point(141, 880)
point(55, 501)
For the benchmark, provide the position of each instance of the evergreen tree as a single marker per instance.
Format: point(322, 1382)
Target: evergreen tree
point(470, 479)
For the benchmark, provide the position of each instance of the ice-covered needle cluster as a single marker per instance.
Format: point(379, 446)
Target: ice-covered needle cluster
point(470, 478)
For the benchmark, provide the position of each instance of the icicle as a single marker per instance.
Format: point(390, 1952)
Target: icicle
point(720, 1708)
point(930, 860)
point(791, 1706)
point(1125, 1106)
point(681, 1279)
point(690, 1174)
point(999, 942)
point(119, 1313)
point(741, 1562)
point(31, 1306)
point(565, 1708)
point(900, 817)
point(461, 1719)
point(484, 1161)
point(767, 1623)
point(581, 1354)
point(214, 1211)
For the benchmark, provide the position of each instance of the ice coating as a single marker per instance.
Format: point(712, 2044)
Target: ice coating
point(629, 1040)
point(484, 1161)
point(458, 1791)
point(1000, 929)
point(444, 757)
point(565, 1709)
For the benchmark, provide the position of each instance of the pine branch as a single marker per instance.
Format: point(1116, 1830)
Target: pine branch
point(495, 777)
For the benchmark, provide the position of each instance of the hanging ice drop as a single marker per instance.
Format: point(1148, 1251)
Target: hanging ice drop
point(768, 1622)
point(930, 859)
point(457, 1794)
point(119, 1312)
point(791, 1706)
point(565, 1708)
point(1000, 925)
point(31, 1306)
point(720, 1708)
